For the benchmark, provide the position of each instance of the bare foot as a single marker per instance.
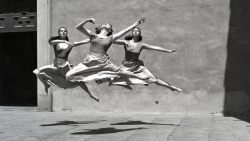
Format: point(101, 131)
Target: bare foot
point(36, 71)
point(94, 97)
point(47, 88)
point(173, 88)
point(98, 81)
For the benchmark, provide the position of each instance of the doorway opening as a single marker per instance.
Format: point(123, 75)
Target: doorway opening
point(18, 85)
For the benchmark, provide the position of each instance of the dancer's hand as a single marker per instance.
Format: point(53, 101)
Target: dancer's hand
point(141, 20)
point(92, 20)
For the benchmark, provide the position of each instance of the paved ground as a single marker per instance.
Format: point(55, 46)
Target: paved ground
point(19, 125)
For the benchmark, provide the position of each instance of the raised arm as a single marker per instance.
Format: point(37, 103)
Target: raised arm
point(157, 48)
point(81, 42)
point(123, 32)
point(84, 30)
point(119, 42)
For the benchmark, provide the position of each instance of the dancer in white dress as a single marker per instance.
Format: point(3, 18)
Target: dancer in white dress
point(97, 59)
point(55, 74)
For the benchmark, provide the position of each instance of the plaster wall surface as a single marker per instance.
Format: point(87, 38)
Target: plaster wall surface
point(197, 29)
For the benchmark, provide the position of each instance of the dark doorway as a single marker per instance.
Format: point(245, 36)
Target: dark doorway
point(18, 57)
point(18, 85)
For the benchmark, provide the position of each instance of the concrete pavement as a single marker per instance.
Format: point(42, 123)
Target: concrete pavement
point(20, 125)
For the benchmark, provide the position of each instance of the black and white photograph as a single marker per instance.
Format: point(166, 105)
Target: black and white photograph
point(116, 70)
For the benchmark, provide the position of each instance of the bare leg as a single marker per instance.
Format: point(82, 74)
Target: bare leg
point(165, 84)
point(46, 85)
point(131, 74)
point(85, 88)
point(80, 69)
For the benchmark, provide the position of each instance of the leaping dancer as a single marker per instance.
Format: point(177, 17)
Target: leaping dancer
point(97, 59)
point(55, 74)
point(133, 47)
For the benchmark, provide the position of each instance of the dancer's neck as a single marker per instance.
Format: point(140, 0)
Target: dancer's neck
point(135, 39)
point(103, 34)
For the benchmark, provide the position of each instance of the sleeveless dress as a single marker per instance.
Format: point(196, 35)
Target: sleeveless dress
point(95, 61)
point(55, 74)
point(132, 63)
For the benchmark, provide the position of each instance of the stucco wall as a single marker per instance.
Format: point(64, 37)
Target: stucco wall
point(198, 29)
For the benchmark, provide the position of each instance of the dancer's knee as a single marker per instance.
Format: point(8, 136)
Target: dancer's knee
point(124, 73)
point(152, 79)
point(69, 74)
point(73, 71)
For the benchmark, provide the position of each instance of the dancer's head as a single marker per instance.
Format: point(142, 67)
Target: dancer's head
point(107, 27)
point(62, 32)
point(62, 35)
point(136, 32)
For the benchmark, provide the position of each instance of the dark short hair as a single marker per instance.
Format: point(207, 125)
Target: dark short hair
point(129, 37)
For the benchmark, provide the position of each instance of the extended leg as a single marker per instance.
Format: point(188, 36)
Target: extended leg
point(81, 69)
point(165, 84)
point(85, 88)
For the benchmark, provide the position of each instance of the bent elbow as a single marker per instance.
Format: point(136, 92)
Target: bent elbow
point(78, 27)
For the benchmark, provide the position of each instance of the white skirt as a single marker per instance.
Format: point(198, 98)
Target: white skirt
point(55, 74)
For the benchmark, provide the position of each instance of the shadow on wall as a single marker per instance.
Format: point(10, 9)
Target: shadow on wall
point(237, 75)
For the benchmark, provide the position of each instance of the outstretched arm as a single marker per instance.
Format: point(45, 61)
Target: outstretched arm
point(123, 32)
point(81, 42)
point(157, 48)
point(119, 42)
point(54, 42)
point(84, 30)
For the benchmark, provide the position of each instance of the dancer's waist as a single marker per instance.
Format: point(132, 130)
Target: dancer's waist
point(132, 56)
point(98, 54)
point(130, 63)
point(131, 59)
point(59, 62)
point(60, 59)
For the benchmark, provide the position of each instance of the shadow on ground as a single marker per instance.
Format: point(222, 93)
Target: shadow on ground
point(72, 123)
point(140, 123)
point(109, 130)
